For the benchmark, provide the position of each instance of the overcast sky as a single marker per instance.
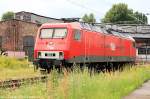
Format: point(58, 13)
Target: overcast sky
point(70, 8)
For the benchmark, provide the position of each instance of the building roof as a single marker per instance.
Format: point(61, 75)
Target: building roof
point(139, 35)
point(71, 19)
point(138, 28)
point(38, 15)
point(21, 21)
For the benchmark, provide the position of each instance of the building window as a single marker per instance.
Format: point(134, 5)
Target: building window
point(77, 35)
point(141, 51)
point(148, 51)
point(28, 41)
point(144, 51)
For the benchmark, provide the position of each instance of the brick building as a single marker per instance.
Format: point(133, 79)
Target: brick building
point(18, 35)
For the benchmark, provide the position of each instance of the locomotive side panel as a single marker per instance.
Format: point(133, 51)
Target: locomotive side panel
point(98, 45)
point(89, 49)
point(76, 50)
point(112, 48)
point(94, 45)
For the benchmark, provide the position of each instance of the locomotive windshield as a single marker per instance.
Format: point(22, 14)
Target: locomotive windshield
point(53, 33)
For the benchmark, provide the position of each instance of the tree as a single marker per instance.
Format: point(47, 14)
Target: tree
point(142, 18)
point(89, 18)
point(8, 15)
point(120, 13)
point(85, 18)
point(92, 18)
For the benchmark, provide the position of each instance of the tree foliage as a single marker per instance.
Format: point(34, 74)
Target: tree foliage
point(8, 15)
point(120, 13)
point(141, 17)
point(89, 18)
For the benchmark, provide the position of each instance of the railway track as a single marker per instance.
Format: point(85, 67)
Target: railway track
point(15, 83)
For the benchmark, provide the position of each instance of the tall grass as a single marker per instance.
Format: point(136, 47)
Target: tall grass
point(13, 63)
point(113, 85)
point(15, 68)
point(82, 85)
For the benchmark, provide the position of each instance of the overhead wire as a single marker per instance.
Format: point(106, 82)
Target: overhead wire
point(82, 6)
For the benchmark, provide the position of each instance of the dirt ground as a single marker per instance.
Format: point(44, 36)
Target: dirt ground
point(141, 93)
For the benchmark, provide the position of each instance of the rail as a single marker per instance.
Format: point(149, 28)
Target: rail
point(14, 83)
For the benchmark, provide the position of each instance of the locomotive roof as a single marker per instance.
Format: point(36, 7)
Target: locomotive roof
point(102, 29)
point(91, 27)
point(75, 25)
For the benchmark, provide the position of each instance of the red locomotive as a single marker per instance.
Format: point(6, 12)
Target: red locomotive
point(67, 43)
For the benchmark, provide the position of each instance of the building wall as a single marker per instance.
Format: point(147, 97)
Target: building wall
point(13, 33)
point(6, 34)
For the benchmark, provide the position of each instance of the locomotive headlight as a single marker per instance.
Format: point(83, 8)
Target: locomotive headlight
point(61, 55)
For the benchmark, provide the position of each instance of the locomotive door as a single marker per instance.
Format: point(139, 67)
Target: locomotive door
point(76, 46)
point(88, 46)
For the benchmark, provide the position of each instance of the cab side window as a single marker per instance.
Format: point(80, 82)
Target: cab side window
point(77, 35)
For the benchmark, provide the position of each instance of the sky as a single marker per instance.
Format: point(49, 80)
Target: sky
point(71, 8)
